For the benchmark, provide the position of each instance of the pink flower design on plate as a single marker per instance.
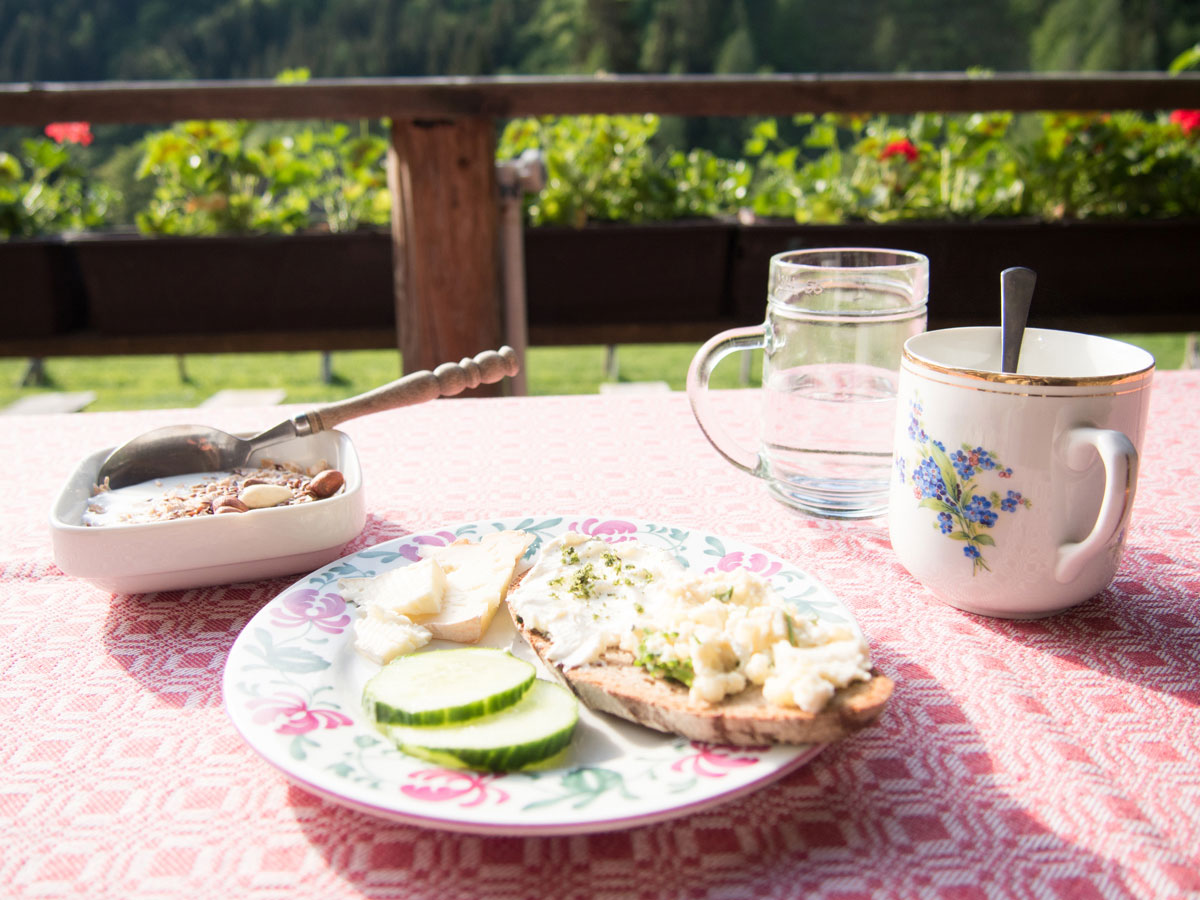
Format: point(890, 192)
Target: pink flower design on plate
point(298, 717)
point(755, 562)
point(714, 760)
point(609, 529)
point(447, 785)
point(412, 552)
point(309, 607)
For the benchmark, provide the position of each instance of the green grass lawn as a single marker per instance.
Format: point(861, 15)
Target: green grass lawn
point(148, 382)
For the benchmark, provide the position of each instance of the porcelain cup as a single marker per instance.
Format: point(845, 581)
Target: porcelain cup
point(1011, 493)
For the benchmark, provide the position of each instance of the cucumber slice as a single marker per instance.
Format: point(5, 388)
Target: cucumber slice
point(443, 686)
point(533, 729)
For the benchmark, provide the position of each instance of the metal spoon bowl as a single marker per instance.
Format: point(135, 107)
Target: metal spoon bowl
point(183, 449)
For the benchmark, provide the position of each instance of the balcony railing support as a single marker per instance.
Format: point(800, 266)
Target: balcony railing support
point(445, 239)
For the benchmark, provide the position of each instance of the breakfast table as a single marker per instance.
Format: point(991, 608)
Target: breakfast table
point(1049, 758)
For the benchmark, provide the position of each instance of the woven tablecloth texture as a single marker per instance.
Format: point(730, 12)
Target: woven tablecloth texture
point(1047, 759)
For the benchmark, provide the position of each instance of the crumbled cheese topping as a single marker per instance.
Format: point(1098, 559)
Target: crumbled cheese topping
point(717, 632)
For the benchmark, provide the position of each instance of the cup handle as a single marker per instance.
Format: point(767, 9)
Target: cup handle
point(701, 369)
point(1120, 460)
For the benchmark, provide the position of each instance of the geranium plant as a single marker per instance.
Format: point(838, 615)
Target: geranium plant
point(1122, 165)
point(46, 188)
point(222, 177)
point(608, 169)
point(230, 177)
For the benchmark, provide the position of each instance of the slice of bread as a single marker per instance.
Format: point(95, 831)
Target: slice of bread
point(619, 687)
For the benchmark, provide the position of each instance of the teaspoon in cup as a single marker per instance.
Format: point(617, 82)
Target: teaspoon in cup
point(1016, 294)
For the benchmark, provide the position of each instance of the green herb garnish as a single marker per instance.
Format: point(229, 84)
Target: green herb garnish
point(582, 584)
point(679, 670)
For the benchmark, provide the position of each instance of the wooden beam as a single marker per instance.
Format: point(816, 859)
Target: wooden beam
point(505, 96)
point(445, 224)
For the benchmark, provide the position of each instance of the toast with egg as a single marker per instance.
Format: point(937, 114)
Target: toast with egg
point(616, 685)
point(591, 611)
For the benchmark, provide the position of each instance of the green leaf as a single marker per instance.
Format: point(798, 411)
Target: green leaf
point(296, 660)
point(985, 540)
point(1188, 59)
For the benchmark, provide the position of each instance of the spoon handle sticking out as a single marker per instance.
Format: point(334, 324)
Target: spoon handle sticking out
point(181, 449)
point(1016, 294)
point(446, 380)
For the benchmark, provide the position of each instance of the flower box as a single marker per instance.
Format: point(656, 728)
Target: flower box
point(627, 275)
point(600, 284)
point(42, 294)
point(139, 285)
point(1095, 276)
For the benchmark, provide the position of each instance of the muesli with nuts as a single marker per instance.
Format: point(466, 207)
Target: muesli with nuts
point(231, 492)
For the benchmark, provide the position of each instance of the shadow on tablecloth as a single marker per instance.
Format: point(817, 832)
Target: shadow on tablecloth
point(1140, 630)
point(174, 643)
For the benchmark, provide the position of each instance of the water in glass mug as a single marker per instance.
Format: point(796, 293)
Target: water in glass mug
point(837, 320)
point(827, 425)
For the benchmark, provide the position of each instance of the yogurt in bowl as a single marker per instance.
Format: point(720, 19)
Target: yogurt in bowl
point(157, 552)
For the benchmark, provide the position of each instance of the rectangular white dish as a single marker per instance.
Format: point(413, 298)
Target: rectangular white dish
point(206, 550)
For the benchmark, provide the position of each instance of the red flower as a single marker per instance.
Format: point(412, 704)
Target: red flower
point(716, 760)
point(298, 717)
point(614, 530)
point(903, 147)
point(755, 562)
point(1187, 119)
point(308, 607)
point(70, 132)
point(472, 788)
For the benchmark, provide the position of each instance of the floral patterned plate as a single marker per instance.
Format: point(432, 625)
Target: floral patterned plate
point(293, 687)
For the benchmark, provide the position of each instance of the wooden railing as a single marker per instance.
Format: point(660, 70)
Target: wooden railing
point(448, 284)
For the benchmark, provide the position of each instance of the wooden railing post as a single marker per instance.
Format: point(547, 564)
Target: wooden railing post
point(445, 231)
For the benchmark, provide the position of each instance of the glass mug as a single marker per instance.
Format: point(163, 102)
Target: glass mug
point(837, 320)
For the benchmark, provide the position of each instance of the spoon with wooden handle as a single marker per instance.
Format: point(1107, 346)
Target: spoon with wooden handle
point(183, 449)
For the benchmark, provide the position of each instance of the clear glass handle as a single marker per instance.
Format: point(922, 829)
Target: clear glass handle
point(699, 373)
point(1120, 481)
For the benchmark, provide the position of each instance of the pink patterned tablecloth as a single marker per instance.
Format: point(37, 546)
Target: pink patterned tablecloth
point(1047, 759)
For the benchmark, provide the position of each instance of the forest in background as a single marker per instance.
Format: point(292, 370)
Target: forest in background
point(98, 40)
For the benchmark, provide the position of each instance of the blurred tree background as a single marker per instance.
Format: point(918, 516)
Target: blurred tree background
point(97, 40)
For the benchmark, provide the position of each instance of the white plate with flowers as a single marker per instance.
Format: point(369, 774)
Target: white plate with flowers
point(293, 687)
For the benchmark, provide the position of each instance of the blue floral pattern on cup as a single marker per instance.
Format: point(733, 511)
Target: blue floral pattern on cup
point(949, 483)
